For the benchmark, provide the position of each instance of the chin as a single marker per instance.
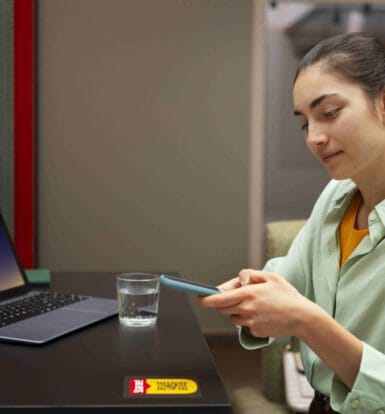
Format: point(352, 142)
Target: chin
point(339, 175)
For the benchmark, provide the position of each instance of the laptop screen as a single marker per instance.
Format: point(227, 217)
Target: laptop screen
point(10, 275)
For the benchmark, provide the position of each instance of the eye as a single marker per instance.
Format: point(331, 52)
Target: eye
point(305, 127)
point(332, 113)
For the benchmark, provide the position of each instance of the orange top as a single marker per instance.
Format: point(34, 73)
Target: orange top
point(350, 237)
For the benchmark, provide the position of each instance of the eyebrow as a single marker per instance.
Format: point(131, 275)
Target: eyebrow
point(316, 102)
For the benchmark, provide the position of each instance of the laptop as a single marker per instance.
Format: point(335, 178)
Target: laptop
point(33, 316)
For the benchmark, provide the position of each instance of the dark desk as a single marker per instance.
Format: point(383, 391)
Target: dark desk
point(87, 370)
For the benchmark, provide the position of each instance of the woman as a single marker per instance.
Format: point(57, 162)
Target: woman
point(329, 291)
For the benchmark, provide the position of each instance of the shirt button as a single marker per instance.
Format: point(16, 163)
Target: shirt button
point(355, 403)
point(376, 237)
point(372, 217)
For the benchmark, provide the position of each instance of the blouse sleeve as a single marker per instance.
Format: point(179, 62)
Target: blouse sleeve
point(368, 392)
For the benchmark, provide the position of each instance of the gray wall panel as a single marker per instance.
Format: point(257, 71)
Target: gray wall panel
point(144, 136)
point(6, 112)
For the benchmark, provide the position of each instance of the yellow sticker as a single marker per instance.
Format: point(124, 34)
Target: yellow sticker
point(162, 386)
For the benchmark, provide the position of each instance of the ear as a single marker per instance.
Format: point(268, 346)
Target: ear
point(381, 106)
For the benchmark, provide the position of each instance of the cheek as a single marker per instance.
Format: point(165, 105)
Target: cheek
point(360, 139)
point(346, 131)
point(373, 149)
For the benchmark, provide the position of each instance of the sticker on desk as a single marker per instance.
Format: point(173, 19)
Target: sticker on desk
point(146, 387)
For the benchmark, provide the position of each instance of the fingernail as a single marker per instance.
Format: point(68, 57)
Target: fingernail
point(244, 281)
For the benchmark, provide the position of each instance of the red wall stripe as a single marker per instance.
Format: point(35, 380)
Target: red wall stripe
point(24, 107)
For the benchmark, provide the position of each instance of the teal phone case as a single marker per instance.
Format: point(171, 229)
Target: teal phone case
point(188, 285)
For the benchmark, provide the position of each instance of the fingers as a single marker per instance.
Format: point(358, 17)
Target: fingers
point(230, 284)
point(226, 298)
point(249, 276)
point(235, 290)
point(244, 276)
point(226, 286)
point(230, 310)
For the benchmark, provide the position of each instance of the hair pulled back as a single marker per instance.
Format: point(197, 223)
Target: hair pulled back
point(357, 57)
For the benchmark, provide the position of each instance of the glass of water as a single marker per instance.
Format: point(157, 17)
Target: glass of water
point(138, 298)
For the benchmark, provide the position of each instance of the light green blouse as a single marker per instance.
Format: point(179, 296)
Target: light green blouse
point(354, 295)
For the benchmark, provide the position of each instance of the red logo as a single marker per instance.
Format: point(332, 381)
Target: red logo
point(138, 386)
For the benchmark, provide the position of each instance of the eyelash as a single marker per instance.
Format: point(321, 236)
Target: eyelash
point(328, 115)
point(331, 114)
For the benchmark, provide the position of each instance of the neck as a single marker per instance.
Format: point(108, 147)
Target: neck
point(372, 189)
point(372, 192)
point(372, 184)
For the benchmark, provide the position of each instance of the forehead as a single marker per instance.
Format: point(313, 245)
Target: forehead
point(314, 82)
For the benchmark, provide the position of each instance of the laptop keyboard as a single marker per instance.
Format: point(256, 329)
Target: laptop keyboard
point(44, 302)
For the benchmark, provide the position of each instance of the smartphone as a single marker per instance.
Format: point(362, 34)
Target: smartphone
point(188, 285)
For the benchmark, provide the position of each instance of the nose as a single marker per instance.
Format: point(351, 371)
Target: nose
point(316, 135)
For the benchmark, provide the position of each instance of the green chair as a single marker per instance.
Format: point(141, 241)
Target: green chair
point(278, 238)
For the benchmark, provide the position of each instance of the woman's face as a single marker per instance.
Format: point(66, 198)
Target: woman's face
point(344, 129)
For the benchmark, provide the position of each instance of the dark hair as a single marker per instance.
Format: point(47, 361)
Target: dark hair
point(358, 57)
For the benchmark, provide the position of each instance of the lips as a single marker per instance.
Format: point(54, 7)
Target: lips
point(329, 157)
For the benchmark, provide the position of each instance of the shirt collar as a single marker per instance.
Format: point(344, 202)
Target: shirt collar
point(344, 195)
point(341, 200)
point(380, 210)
